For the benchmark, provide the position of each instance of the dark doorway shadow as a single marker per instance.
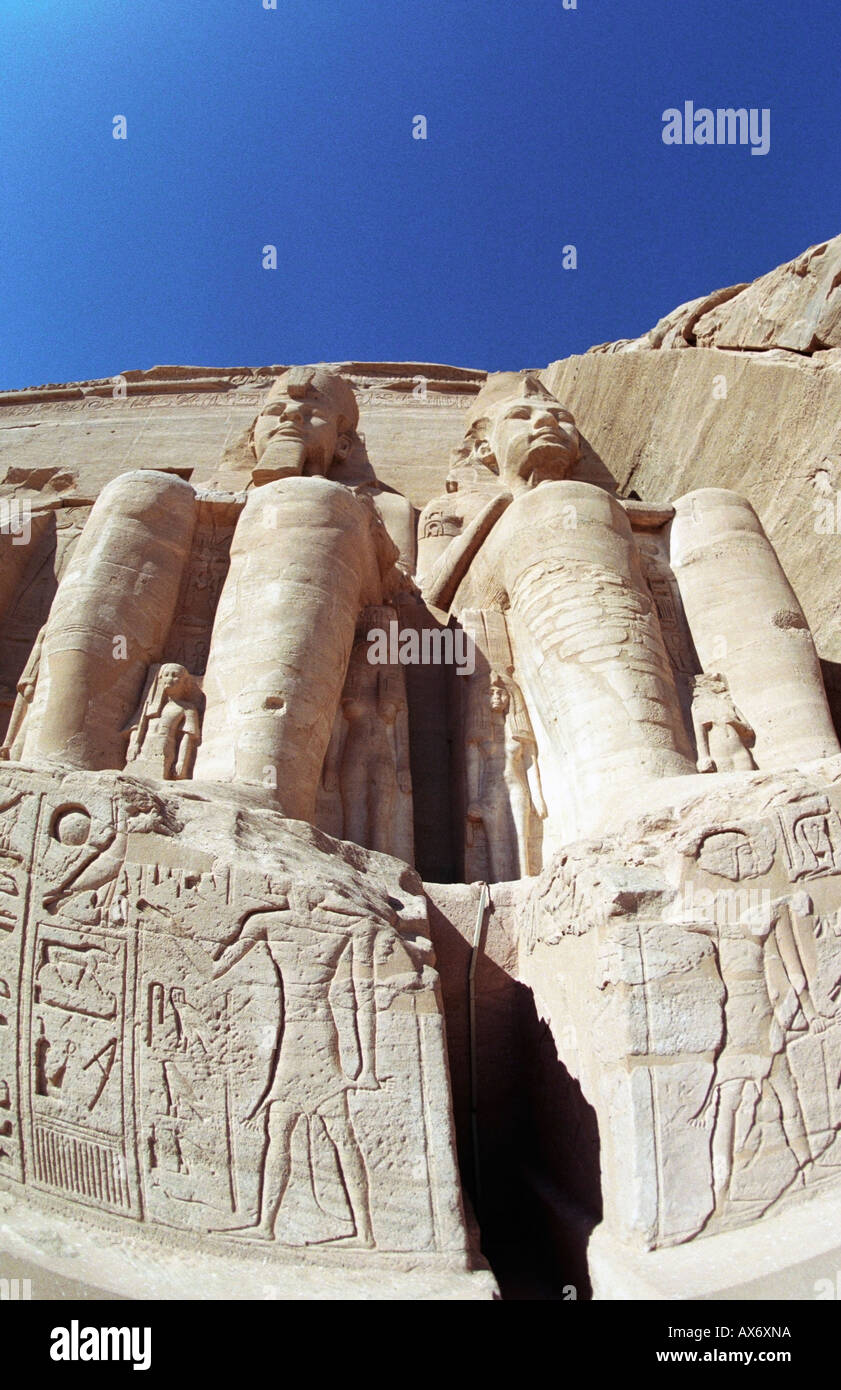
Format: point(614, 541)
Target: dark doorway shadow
point(529, 1152)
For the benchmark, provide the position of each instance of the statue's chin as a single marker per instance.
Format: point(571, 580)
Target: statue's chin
point(546, 461)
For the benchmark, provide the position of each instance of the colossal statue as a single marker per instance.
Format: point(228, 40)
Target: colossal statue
point(308, 553)
point(110, 619)
point(559, 559)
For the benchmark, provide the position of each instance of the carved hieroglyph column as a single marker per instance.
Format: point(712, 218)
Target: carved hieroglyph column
point(587, 640)
point(307, 554)
point(747, 623)
point(110, 619)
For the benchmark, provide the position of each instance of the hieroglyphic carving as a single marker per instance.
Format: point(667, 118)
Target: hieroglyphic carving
point(735, 851)
point(220, 1049)
point(664, 590)
point(811, 831)
point(439, 520)
point(201, 585)
point(78, 982)
point(18, 813)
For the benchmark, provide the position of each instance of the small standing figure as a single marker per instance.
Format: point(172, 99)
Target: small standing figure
point(723, 735)
point(366, 773)
point(12, 750)
point(503, 781)
point(166, 730)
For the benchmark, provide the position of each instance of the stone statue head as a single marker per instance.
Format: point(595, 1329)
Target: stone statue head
point(172, 680)
point(307, 425)
point(518, 432)
point(498, 693)
point(710, 683)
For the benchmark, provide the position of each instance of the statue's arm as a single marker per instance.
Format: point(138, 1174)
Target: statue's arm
point(441, 585)
point(366, 1017)
point(535, 784)
point(189, 742)
point(702, 738)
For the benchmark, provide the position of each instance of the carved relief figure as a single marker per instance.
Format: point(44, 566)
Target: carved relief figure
point(166, 730)
point(12, 749)
point(724, 737)
point(318, 948)
point(768, 999)
point(503, 781)
point(367, 764)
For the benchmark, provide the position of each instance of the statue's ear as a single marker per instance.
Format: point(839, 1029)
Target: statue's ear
point(486, 456)
point(343, 448)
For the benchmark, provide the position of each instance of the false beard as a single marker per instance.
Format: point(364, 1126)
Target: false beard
point(284, 458)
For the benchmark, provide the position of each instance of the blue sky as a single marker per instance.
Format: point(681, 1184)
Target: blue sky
point(293, 127)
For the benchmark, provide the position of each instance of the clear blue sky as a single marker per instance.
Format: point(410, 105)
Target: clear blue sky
point(249, 126)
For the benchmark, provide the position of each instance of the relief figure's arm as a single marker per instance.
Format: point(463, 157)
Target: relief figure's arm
point(366, 1008)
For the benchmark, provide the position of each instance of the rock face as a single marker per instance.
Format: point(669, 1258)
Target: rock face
point(245, 1045)
point(796, 307)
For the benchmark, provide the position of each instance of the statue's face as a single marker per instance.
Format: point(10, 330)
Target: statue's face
point(532, 440)
point(297, 436)
point(174, 679)
point(499, 697)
